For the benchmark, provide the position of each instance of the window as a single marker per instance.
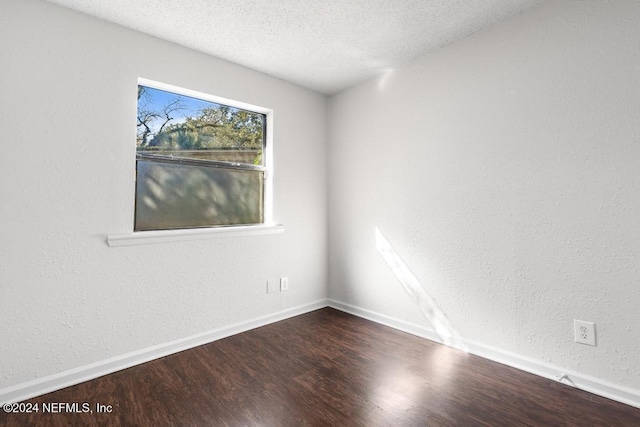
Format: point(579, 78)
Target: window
point(201, 161)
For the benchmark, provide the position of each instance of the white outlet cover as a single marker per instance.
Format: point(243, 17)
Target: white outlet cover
point(284, 284)
point(584, 332)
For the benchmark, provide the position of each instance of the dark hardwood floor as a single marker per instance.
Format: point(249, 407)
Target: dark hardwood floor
point(326, 368)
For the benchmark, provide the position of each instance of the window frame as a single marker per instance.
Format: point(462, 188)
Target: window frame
point(268, 226)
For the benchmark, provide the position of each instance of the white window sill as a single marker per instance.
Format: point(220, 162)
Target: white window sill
point(168, 236)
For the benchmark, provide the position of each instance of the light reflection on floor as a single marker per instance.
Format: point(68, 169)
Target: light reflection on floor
point(402, 391)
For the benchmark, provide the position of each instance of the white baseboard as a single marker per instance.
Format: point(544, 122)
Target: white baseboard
point(79, 375)
point(383, 319)
point(578, 380)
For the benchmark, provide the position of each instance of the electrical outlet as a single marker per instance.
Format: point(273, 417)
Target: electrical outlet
point(284, 284)
point(584, 332)
point(271, 287)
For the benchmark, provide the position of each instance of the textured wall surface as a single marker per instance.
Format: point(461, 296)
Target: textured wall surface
point(503, 171)
point(67, 115)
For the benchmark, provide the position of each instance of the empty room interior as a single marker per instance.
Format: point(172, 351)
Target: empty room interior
point(439, 217)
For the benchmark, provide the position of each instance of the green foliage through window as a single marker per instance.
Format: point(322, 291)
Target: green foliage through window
point(198, 163)
point(182, 126)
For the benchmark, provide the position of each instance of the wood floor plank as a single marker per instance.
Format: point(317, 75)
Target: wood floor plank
point(326, 368)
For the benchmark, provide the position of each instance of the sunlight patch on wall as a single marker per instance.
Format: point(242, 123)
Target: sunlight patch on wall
point(384, 78)
point(434, 315)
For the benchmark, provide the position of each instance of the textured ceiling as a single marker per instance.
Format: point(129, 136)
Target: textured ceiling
point(325, 45)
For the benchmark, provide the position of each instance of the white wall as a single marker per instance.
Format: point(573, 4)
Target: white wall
point(504, 171)
point(67, 116)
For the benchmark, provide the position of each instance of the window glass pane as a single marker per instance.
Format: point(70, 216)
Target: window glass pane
point(171, 124)
point(174, 195)
point(198, 163)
